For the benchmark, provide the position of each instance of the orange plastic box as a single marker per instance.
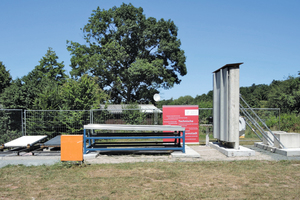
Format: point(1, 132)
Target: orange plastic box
point(71, 148)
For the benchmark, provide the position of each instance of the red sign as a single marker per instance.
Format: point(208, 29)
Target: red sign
point(185, 116)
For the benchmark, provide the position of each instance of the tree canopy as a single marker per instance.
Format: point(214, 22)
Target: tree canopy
point(25, 91)
point(83, 94)
point(133, 56)
point(5, 77)
point(49, 68)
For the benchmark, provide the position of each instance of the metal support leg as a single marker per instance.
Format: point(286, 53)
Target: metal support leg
point(207, 136)
point(84, 141)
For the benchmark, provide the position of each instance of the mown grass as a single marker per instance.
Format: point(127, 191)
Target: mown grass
point(155, 180)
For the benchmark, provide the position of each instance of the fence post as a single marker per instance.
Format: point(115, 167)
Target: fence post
point(25, 122)
point(22, 122)
point(279, 118)
point(155, 116)
point(91, 117)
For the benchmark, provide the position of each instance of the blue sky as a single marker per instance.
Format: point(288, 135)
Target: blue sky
point(263, 34)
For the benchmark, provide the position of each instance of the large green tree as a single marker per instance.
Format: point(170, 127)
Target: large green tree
point(5, 77)
point(82, 94)
point(50, 97)
point(49, 68)
point(24, 92)
point(37, 81)
point(15, 96)
point(285, 95)
point(132, 55)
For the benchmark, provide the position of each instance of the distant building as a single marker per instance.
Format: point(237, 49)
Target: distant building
point(118, 108)
point(118, 114)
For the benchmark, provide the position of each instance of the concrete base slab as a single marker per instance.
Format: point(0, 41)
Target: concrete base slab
point(230, 152)
point(90, 155)
point(29, 160)
point(189, 153)
point(285, 152)
point(264, 146)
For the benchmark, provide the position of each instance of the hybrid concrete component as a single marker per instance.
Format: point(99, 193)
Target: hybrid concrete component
point(226, 95)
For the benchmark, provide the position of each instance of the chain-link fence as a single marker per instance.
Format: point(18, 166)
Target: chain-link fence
point(270, 116)
point(127, 116)
point(11, 124)
point(14, 124)
point(204, 115)
point(56, 122)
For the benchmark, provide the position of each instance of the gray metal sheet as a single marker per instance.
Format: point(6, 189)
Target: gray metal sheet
point(25, 140)
point(54, 142)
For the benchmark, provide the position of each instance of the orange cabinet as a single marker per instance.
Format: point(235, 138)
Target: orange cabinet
point(71, 148)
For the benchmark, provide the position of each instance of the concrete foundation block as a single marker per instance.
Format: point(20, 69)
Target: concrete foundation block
point(265, 141)
point(292, 152)
point(230, 152)
point(289, 140)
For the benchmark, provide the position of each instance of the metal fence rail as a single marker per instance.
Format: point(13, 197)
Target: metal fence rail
point(11, 124)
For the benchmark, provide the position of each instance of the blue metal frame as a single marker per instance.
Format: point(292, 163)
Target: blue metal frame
point(91, 141)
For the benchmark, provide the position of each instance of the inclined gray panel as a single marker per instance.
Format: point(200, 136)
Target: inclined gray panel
point(53, 142)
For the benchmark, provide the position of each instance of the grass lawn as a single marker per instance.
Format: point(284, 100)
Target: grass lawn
point(155, 180)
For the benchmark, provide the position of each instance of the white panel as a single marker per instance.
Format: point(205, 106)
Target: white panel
point(24, 141)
